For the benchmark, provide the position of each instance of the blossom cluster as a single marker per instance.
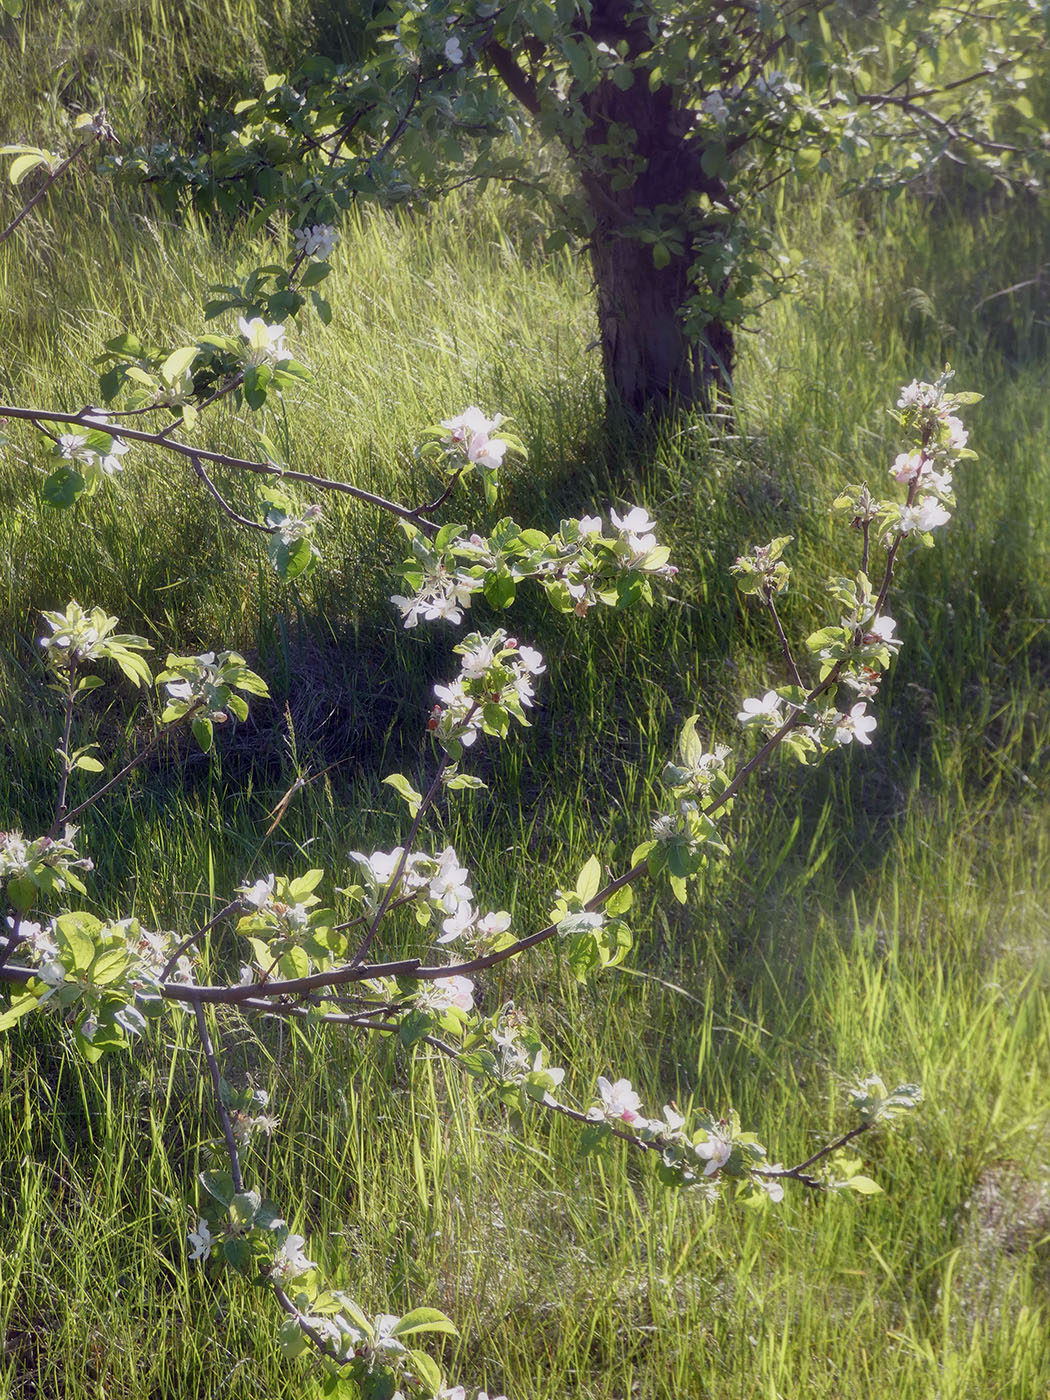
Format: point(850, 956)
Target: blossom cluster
point(694, 1156)
point(95, 453)
point(472, 434)
point(78, 635)
point(495, 684)
point(927, 412)
point(439, 889)
point(577, 567)
point(46, 863)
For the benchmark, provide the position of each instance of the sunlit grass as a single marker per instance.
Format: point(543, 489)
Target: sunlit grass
point(885, 912)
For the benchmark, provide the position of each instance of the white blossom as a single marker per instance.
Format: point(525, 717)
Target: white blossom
point(316, 241)
point(265, 343)
point(290, 1260)
point(201, 1239)
point(857, 725)
point(715, 1151)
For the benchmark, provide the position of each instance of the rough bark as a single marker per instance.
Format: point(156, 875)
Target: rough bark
point(650, 363)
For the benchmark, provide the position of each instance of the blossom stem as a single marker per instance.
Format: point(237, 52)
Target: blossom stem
point(216, 1082)
point(63, 753)
point(395, 879)
point(56, 174)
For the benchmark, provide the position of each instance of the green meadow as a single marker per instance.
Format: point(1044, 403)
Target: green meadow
point(886, 912)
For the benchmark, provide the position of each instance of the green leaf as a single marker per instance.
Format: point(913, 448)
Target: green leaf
point(76, 935)
point(175, 366)
point(424, 1320)
point(88, 764)
point(20, 1006)
point(590, 880)
point(244, 1207)
point(583, 954)
point(219, 1185)
point(203, 732)
point(414, 1027)
point(427, 1369)
point(290, 559)
point(291, 1339)
point(405, 790)
point(315, 273)
point(63, 487)
point(864, 1185)
point(21, 167)
point(21, 893)
point(499, 588)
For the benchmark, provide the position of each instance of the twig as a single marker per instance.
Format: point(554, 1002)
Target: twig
point(187, 943)
point(67, 729)
point(395, 879)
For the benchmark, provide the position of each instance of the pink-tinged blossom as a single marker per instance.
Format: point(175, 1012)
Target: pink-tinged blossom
point(493, 924)
point(451, 992)
point(912, 394)
point(907, 466)
point(472, 432)
point(925, 515)
point(619, 1100)
point(857, 725)
point(958, 436)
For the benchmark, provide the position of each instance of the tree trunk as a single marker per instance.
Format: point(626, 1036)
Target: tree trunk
point(650, 363)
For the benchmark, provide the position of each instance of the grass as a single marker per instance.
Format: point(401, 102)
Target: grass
point(886, 911)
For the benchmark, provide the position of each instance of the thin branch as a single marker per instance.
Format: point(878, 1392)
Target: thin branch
point(797, 1173)
point(789, 660)
point(63, 753)
point(222, 459)
point(436, 505)
point(129, 767)
point(224, 505)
